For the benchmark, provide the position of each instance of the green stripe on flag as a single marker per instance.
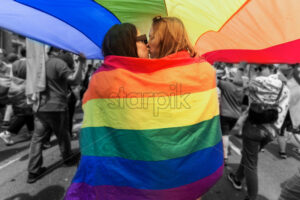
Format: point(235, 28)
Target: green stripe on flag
point(150, 145)
point(137, 12)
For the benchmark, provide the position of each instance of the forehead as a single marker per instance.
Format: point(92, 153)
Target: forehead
point(155, 28)
point(151, 30)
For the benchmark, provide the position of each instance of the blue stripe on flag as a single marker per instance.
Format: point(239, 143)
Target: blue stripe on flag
point(156, 175)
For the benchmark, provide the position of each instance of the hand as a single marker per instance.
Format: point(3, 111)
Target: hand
point(78, 102)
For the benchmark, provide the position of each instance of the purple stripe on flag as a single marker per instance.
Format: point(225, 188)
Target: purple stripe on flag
point(78, 191)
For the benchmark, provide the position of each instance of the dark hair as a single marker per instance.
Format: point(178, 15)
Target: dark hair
point(23, 52)
point(12, 57)
point(217, 64)
point(294, 65)
point(260, 67)
point(52, 50)
point(120, 40)
point(67, 57)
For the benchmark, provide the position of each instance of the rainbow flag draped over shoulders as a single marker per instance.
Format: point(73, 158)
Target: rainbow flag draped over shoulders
point(150, 131)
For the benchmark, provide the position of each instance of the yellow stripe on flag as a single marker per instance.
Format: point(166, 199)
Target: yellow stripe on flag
point(200, 16)
point(153, 112)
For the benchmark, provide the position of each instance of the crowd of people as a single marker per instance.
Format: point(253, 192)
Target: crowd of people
point(260, 99)
point(66, 80)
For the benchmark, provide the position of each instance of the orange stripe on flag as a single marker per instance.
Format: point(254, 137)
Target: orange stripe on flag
point(121, 83)
point(258, 25)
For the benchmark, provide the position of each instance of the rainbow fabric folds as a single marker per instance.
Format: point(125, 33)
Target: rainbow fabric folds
point(150, 131)
point(256, 31)
point(260, 31)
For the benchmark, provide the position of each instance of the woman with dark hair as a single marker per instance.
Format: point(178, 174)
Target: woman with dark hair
point(123, 40)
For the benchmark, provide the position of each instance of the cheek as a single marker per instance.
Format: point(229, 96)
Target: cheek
point(141, 46)
point(142, 50)
point(150, 43)
point(153, 42)
point(153, 46)
point(145, 48)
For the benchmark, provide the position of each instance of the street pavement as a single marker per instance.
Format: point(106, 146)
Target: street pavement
point(272, 170)
point(272, 173)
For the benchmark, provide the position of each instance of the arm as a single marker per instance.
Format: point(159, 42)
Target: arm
point(238, 77)
point(77, 75)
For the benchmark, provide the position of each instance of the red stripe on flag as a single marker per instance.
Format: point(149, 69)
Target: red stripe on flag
point(283, 53)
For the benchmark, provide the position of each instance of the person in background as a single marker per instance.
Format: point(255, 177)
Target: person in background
point(232, 94)
point(258, 131)
point(52, 113)
point(67, 57)
point(85, 83)
point(285, 72)
point(22, 111)
point(220, 72)
point(289, 75)
point(5, 70)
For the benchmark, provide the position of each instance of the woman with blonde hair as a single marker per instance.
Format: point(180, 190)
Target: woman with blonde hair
point(168, 36)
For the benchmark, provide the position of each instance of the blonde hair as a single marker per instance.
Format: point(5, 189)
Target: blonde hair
point(172, 35)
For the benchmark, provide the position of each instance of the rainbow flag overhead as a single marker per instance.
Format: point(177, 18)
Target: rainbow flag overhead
point(256, 31)
point(150, 131)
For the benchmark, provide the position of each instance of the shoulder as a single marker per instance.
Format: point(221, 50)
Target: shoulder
point(19, 68)
point(56, 63)
point(19, 63)
point(224, 83)
point(204, 66)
